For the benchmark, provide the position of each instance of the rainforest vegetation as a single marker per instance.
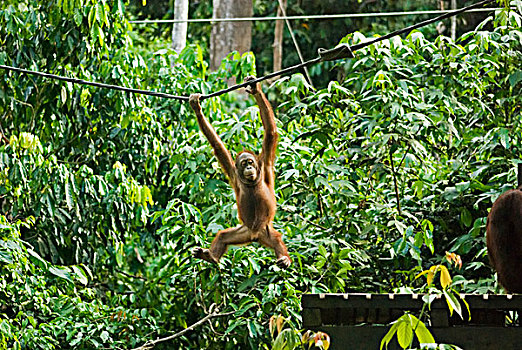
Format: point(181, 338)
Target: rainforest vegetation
point(391, 159)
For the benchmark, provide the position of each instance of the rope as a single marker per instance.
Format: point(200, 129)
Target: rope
point(91, 83)
point(421, 24)
point(341, 51)
point(351, 49)
point(305, 17)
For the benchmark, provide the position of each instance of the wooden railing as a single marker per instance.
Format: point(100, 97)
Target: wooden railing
point(359, 321)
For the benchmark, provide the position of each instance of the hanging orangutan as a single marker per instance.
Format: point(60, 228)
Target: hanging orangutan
point(252, 178)
point(504, 239)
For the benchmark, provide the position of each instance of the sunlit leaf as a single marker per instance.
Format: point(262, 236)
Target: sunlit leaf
point(422, 333)
point(445, 277)
point(389, 336)
point(453, 303)
point(80, 274)
point(404, 332)
point(61, 272)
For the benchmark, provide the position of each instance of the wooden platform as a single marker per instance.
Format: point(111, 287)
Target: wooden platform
point(359, 321)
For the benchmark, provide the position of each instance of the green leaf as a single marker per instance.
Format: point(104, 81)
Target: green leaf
point(515, 78)
point(78, 18)
point(404, 332)
point(125, 119)
point(120, 6)
point(5, 327)
point(80, 275)
point(161, 52)
point(245, 308)
point(38, 259)
point(319, 180)
point(104, 336)
point(462, 186)
point(453, 303)
point(79, 338)
point(119, 253)
point(389, 336)
point(101, 35)
point(252, 331)
point(465, 217)
point(69, 196)
point(63, 94)
point(279, 342)
point(92, 16)
point(450, 193)
point(233, 325)
point(424, 336)
point(66, 5)
point(322, 251)
point(418, 186)
point(99, 14)
point(504, 137)
point(6, 257)
point(61, 272)
point(32, 321)
point(286, 340)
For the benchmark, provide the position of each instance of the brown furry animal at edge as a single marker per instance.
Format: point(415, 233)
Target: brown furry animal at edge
point(504, 239)
point(252, 179)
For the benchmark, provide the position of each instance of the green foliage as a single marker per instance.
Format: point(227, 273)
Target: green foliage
point(374, 174)
point(426, 135)
point(48, 306)
point(313, 34)
point(404, 328)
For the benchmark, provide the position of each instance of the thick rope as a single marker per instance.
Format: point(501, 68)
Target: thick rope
point(91, 83)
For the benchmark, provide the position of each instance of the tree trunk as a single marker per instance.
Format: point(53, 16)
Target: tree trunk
point(278, 39)
point(230, 36)
point(179, 30)
point(454, 21)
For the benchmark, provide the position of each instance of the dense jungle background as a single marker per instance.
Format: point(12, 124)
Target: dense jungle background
point(388, 161)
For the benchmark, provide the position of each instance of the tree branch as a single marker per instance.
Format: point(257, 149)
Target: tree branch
point(395, 183)
point(151, 343)
point(138, 277)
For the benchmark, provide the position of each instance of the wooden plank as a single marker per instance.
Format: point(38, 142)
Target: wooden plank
point(376, 301)
point(406, 301)
point(439, 318)
point(359, 321)
point(311, 318)
point(494, 301)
